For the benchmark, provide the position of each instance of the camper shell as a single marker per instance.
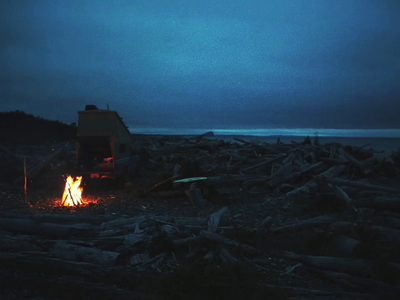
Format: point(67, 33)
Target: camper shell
point(104, 145)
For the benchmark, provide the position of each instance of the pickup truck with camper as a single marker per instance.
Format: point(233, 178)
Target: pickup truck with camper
point(104, 147)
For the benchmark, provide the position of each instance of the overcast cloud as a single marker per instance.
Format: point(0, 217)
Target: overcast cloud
point(205, 64)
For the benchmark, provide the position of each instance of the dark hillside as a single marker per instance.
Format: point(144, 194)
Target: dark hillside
point(19, 127)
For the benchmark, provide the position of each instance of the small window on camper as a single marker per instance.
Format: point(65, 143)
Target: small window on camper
point(122, 148)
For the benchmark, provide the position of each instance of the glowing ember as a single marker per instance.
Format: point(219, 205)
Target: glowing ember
point(73, 192)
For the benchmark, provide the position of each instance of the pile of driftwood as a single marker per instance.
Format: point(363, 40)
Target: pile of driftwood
point(312, 220)
point(291, 170)
point(344, 200)
point(72, 249)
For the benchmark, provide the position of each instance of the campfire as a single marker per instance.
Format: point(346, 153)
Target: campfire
point(72, 195)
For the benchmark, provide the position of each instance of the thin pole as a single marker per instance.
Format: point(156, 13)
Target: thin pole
point(25, 182)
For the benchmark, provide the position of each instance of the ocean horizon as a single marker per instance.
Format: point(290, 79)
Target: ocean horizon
point(274, 132)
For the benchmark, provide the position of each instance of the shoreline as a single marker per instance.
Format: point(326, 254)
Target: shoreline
point(375, 143)
point(272, 132)
point(379, 144)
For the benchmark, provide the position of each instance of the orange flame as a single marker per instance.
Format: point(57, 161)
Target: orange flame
point(72, 195)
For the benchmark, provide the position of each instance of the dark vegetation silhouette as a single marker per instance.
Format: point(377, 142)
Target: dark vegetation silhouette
point(18, 127)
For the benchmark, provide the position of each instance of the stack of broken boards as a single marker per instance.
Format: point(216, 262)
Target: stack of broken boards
point(276, 221)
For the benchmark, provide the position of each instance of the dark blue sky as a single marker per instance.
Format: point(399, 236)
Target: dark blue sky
point(207, 64)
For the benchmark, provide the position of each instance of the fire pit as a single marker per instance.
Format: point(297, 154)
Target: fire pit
point(72, 195)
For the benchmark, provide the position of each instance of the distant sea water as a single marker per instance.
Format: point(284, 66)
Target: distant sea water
point(378, 139)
